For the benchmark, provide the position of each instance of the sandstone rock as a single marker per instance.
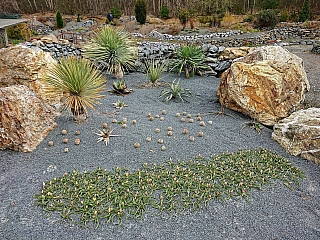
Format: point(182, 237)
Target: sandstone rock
point(152, 20)
point(300, 134)
point(268, 89)
point(25, 120)
point(26, 66)
point(231, 53)
point(49, 39)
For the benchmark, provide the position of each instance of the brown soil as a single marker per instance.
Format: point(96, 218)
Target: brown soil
point(312, 67)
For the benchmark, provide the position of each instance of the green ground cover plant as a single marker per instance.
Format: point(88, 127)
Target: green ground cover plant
point(92, 197)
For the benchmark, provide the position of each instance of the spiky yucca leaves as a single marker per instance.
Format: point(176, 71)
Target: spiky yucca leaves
point(154, 69)
point(80, 82)
point(189, 59)
point(176, 92)
point(113, 48)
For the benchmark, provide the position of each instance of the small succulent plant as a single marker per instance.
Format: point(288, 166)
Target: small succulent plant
point(105, 134)
point(176, 92)
point(120, 87)
point(119, 104)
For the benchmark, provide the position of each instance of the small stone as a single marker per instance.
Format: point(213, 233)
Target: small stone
point(50, 143)
point(64, 132)
point(136, 145)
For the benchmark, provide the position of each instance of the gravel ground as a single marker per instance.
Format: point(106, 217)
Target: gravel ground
point(275, 212)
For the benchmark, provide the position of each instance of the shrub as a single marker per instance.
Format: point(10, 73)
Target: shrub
point(154, 69)
point(164, 12)
point(305, 13)
point(267, 18)
point(190, 60)
point(176, 92)
point(79, 17)
point(249, 19)
point(284, 15)
point(184, 16)
point(79, 80)
point(18, 32)
point(113, 49)
point(141, 11)
point(270, 4)
point(59, 20)
point(116, 11)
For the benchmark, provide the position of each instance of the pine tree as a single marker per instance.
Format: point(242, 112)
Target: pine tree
point(141, 11)
point(59, 20)
point(305, 13)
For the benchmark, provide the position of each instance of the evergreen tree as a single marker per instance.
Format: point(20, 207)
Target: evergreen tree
point(164, 12)
point(305, 13)
point(141, 11)
point(59, 20)
point(270, 4)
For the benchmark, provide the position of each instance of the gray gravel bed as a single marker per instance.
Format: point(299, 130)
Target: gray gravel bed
point(275, 212)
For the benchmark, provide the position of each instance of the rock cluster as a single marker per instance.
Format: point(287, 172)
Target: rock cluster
point(193, 38)
point(267, 84)
point(316, 49)
point(25, 120)
point(299, 134)
point(57, 50)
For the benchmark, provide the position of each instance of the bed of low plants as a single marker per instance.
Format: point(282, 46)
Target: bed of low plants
point(92, 197)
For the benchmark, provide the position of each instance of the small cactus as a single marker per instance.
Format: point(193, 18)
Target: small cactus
point(136, 145)
point(160, 140)
point(77, 141)
point(169, 133)
point(105, 125)
point(124, 120)
point(198, 118)
point(149, 114)
point(200, 134)
point(169, 128)
point(210, 122)
point(189, 116)
point(163, 148)
point(191, 120)
point(64, 132)
point(177, 114)
point(151, 118)
point(162, 119)
point(157, 130)
point(164, 112)
point(184, 113)
point(148, 139)
point(182, 119)
point(65, 140)
point(198, 115)
point(134, 121)
point(66, 150)
point(202, 123)
point(50, 143)
point(124, 125)
point(157, 116)
point(114, 121)
point(185, 131)
point(77, 132)
point(191, 138)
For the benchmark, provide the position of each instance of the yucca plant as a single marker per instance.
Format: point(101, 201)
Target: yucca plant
point(113, 49)
point(154, 69)
point(80, 82)
point(190, 59)
point(176, 92)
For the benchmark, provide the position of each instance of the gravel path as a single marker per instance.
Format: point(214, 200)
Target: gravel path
point(275, 212)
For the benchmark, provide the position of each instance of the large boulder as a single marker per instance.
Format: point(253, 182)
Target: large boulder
point(25, 120)
point(300, 134)
point(26, 66)
point(267, 84)
point(231, 53)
